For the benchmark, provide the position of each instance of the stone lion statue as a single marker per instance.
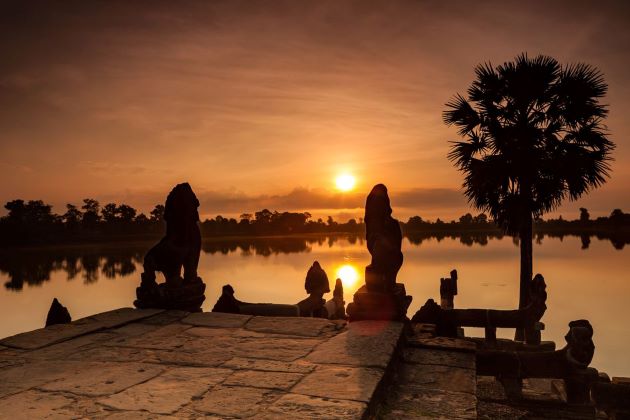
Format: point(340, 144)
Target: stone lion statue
point(179, 249)
point(181, 245)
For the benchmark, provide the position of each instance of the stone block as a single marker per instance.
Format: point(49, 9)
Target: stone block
point(309, 327)
point(341, 382)
point(19, 378)
point(445, 357)
point(261, 379)
point(235, 401)
point(430, 403)
point(121, 316)
point(168, 392)
point(280, 349)
point(98, 379)
point(445, 378)
point(306, 407)
point(269, 365)
point(448, 343)
point(365, 343)
point(216, 320)
point(35, 405)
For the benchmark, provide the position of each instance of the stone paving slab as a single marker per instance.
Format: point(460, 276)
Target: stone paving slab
point(216, 320)
point(242, 363)
point(296, 406)
point(98, 379)
point(341, 382)
point(260, 379)
point(168, 392)
point(62, 332)
point(235, 401)
point(170, 364)
point(365, 343)
point(35, 405)
point(310, 327)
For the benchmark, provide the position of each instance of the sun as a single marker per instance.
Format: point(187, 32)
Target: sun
point(345, 182)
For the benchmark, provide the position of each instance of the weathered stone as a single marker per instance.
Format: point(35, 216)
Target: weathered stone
point(169, 392)
point(269, 365)
point(62, 351)
point(54, 334)
point(19, 378)
point(166, 317)
point(211, 332)
point(540, 389)
point(494, 411)
point(123, 316)
point(216, 320)
point(445, 378)
point(115, 354)
point(97, 379)
point(234, 401)
point(57, 314)
point(35, 405)
point(296, 406)
point(281, 349)
point(439, 357)
point(142, 415)
point(134, 329)
point(366, 343)
point(212, 357)
point(260, 379)
point(443, 343)
point(166, 338)
point(62, 332)
point(310, 327)
point(430, 403)
point(340, 382)
point(489, 388)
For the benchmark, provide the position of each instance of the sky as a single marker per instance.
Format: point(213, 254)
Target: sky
point(261, 104)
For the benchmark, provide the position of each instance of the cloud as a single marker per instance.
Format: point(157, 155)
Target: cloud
point(234, 201)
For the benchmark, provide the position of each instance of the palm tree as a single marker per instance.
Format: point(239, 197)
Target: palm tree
point(533, 136)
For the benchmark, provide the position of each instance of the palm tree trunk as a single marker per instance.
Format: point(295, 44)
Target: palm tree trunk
point(525, 238)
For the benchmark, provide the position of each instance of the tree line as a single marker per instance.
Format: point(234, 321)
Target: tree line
point(34, 222)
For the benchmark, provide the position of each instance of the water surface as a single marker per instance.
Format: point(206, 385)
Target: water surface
point(590, 283)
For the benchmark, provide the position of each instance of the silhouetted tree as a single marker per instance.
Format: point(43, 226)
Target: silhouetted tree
point(533, 136)
point(109, 212)
point(91, 209)
point(157, 214)
point(72, 216)
point(584, 216)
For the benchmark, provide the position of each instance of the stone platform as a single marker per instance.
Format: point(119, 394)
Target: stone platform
point(132, 363)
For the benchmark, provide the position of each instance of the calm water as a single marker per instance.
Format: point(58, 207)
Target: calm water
point(588, 283)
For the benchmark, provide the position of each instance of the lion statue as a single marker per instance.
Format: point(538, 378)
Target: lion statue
point(181, 245)
point(180, 248)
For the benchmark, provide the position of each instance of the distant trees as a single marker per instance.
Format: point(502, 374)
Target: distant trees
point(33, 222)
point(533, 136)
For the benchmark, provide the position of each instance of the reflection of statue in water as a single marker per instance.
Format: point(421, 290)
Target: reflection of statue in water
point(384, 241)
point(179, 249)
point(381, 297)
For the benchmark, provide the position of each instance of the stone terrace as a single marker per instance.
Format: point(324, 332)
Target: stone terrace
point(132, 363)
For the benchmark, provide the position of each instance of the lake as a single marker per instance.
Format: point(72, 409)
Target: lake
point(584, 280)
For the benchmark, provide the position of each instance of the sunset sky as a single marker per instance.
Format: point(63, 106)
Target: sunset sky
point(264, 103)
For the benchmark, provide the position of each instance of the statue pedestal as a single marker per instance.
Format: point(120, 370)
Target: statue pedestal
point(182, 295)
point(390, 306)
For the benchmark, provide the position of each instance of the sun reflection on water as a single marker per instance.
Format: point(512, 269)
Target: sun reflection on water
point(348, 274)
